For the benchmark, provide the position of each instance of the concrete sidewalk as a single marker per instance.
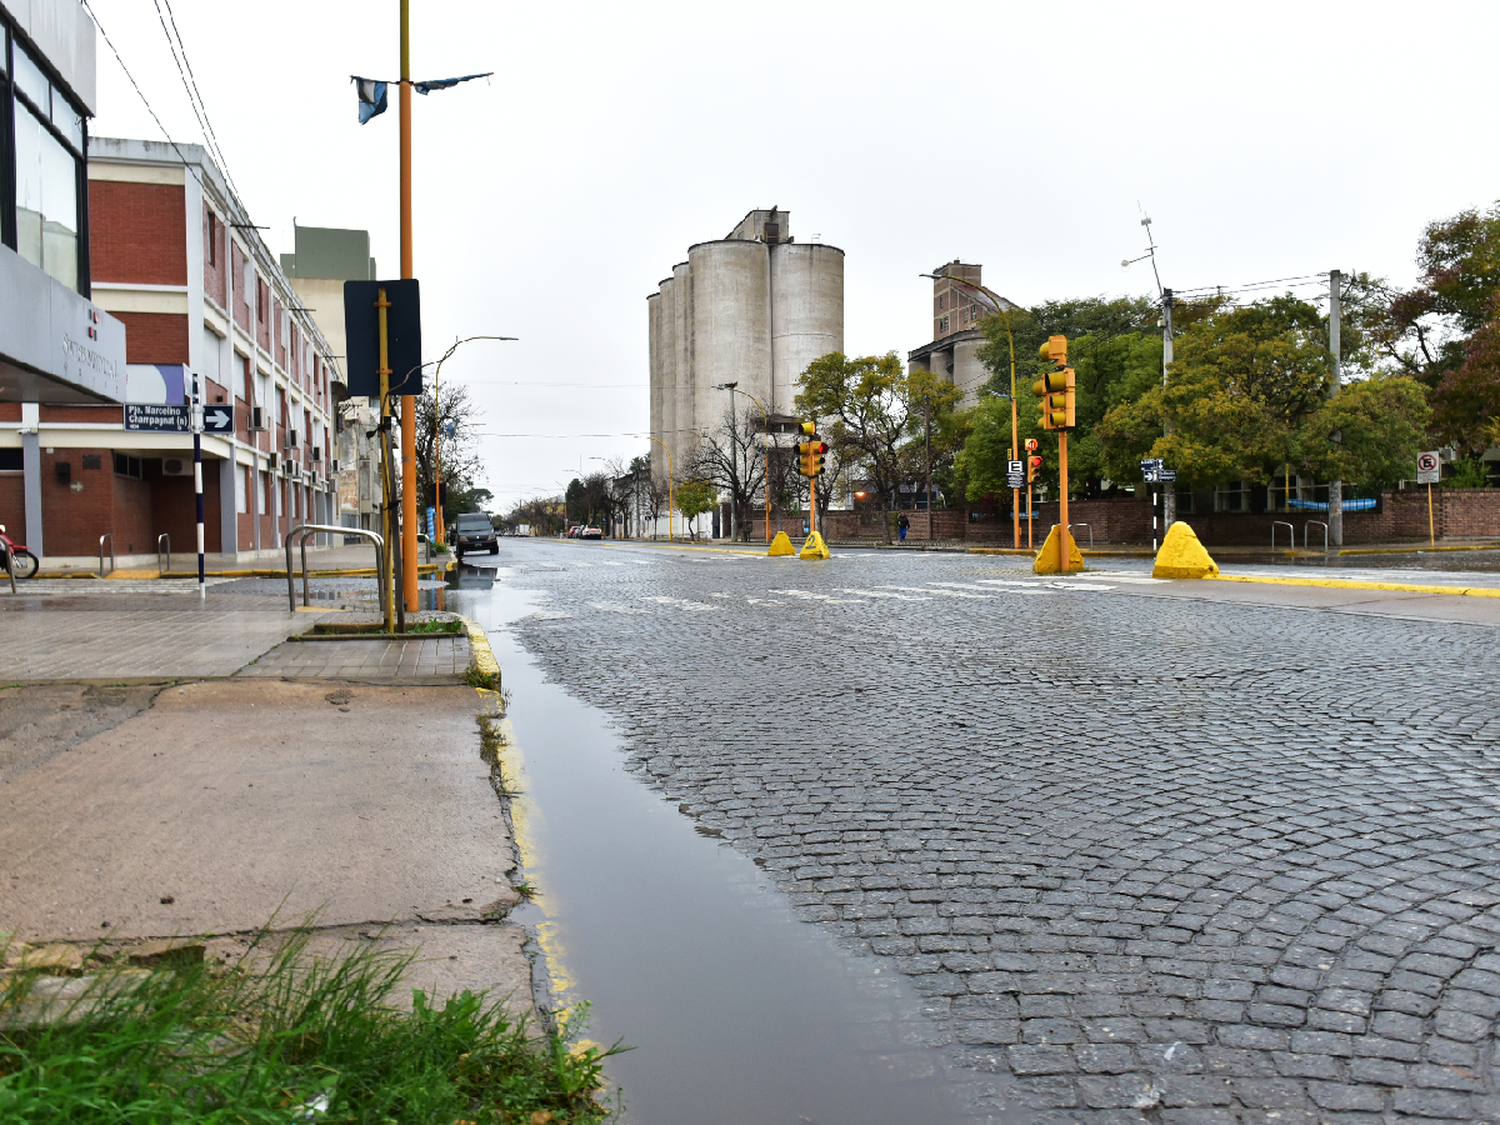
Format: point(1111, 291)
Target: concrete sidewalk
point(171, 766)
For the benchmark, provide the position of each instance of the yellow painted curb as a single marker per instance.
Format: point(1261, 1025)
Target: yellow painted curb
point(1352, 584)
point(1182, 555)
point(482, 663)
point(781, 545)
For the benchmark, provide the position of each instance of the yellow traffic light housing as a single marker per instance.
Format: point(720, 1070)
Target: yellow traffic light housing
point(1033, 466)
point(1055, 388)
point(810, 453)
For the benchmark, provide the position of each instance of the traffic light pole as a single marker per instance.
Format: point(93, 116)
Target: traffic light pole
point(1065, 539)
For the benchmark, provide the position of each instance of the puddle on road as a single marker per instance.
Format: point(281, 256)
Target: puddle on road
point(739, 1013)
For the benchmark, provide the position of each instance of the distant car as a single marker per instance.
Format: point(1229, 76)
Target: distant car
point(591, 532)
point(473, 531)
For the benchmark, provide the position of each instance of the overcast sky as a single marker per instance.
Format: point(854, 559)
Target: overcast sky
point(1265, 140)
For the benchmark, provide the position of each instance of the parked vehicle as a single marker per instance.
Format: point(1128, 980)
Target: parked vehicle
point(16, 555)
point(591, 532)
point(473, 531)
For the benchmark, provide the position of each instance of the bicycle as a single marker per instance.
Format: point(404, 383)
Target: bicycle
point(15, 554)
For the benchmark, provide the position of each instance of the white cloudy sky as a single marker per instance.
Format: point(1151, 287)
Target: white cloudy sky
point(1265, 140)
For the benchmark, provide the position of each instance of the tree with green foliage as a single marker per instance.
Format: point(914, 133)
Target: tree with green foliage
point(1249, 393)
point(1115, 350)
point(456, 420)
point(870, 407)
point(694, 498)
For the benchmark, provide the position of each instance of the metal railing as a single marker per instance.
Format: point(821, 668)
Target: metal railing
point(111, 537)
point(163, 559)
point(306, 529)
point(1308, 525)
point(1071, 526)
point(1291, 535)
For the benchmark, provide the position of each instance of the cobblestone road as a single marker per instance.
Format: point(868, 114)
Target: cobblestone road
point(1149, 859)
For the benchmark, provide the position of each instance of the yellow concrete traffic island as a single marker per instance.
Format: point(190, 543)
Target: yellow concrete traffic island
point(1183, 556)
point(1047, 560)
point(781, 545)
point(814, 548)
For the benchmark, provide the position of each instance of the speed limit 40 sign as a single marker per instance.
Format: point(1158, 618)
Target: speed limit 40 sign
point(1428, 468)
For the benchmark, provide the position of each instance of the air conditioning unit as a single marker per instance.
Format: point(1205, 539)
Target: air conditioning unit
point(291, 439)
point(257, 419)
point(335, 465)
point(176, 467)
point(317, 454)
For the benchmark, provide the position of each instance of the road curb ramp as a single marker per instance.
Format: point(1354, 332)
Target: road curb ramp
point(781, 545)
point(1182, 555)
point(814, 548)
point(1046, 558)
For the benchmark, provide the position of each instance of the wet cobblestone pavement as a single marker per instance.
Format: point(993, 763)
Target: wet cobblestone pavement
point(1147, 858)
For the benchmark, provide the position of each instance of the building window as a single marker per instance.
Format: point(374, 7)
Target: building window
point(943, 325)
point(47, 133)
point(127, 466)
point(213, 240)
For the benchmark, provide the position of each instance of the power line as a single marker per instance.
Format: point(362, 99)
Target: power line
point(141, 93)
point(195, 96)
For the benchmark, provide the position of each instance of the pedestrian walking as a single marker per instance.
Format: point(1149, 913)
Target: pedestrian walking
point(902, 524)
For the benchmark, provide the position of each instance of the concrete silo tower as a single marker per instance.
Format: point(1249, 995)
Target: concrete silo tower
point(754, 308)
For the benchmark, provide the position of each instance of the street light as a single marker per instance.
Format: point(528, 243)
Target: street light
point(1000, 305)
point(766, 422)
point(440, 531)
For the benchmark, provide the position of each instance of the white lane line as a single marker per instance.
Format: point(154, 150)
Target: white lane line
point(809, 596)
point(682, 603)
point(945, 593)
point(882, 594)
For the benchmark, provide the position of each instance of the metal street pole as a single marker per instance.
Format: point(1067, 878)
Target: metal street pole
point(197, 417)
point(1336, 486)
point(439, 531)
point(1169, 491)
point(765, 421)
point(408, 402)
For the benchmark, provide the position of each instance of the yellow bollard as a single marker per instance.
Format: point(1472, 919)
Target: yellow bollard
point(814, 548)
point(781, 545)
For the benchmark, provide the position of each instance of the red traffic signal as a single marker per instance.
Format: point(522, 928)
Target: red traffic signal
point(1033, 466)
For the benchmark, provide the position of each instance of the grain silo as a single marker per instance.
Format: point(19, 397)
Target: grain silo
point(753, 308)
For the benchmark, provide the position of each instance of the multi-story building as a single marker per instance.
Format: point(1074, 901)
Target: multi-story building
point(956, 335)
point(752, 308)
point(178, 260)
point(322, 260)
point(62, 357)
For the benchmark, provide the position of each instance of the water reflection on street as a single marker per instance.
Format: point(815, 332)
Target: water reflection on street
point(739, 1013)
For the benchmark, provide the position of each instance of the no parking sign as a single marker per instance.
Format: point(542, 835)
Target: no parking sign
point(1428, 468)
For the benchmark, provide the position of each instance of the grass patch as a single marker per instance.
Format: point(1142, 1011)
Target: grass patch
point(355, 629)
point(304, 1040)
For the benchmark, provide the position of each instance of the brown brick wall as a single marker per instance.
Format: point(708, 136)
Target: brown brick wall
point(155, 337)
point(241, 306)
point(137, 233)
point(214, 266)
point(13, 504)
point(68, 415)
point(10, 411)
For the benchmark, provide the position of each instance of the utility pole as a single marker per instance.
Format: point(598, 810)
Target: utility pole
point(1169, 491)
point(734, 453)
point(927, 422)
point(408, 402)
point(1335, 487)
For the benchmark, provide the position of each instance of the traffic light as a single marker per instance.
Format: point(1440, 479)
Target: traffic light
point(1033, 466)
point(810, 453)
point(1055, 388)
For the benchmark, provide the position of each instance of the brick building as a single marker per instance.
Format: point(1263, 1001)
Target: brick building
point(176, 259)
point(956, 335)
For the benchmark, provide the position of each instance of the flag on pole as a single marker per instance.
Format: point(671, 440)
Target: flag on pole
point(372, 101)
point(445, 83)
